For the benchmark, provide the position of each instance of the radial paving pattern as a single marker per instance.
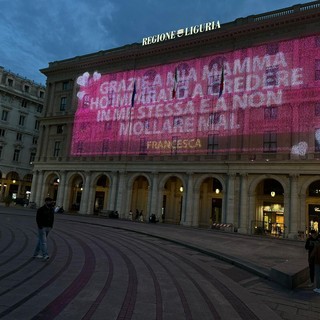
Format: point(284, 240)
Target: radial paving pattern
point(99, 272)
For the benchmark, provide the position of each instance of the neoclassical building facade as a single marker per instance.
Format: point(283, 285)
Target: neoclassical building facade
point(216, 127)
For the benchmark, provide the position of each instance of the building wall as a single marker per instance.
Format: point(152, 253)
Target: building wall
point(177, 187)
point(21, 107)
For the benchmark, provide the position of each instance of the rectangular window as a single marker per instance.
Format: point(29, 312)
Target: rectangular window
point(2, 132)
point(143, 146)
point(317, 109)
point(317, 69)
point(26, 88)
point(37, 125)
point(41, 94)
point(63, 104)
point(56, 150)
point(22, 120)
point(80, 147)
point(174, 146)
point(214, 84)
point(32, 157)
point(39, 108)
point(34, 140)
point(16, 155)
point(24, 103)
point(10, 82)
point(105, 146)
point(60, 128)
point(272, 76)
point(272, 48)
point(19, 136)
point(4, 115)
point(215, 118)
point(212, 143)
point(65, 85)
point(270, 142)
point(271, 113)
point(317, 141)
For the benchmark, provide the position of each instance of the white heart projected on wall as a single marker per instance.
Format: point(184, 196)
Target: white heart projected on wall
point(81, 94)
point(83, 80)
point(300, 149)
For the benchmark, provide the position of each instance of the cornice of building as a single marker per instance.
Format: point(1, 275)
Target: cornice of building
point(281, 22)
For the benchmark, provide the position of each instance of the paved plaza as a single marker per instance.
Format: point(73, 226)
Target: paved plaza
point(101, 268)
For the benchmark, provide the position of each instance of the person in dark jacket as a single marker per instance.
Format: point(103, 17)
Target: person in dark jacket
point(315, 255)
point(310, 243)
point(45, 220)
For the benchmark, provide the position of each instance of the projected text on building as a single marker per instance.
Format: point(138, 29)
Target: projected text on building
point(200, 106)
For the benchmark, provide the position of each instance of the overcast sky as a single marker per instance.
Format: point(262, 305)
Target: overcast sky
point(36, 32)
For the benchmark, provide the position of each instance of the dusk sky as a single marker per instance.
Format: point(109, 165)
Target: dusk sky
point(36, 32)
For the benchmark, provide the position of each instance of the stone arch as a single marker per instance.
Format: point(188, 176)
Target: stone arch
point(173, 188)
point(100, 186)
point(75, 184)
point(269, 212)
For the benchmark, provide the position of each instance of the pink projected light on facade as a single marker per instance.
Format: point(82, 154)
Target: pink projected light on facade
point(184, 107)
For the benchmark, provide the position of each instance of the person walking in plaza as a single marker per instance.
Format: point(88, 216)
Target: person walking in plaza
point(310, 244)
point(45, 220)
point(315, 256)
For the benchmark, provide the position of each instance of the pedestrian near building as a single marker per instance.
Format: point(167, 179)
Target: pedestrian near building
point(45, 220)
point(315, 256)
point(310, 244)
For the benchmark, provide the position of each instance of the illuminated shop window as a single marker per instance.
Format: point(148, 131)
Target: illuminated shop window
point(314, 189)
point(212, 143)
point(271, 113)
point(270, 142)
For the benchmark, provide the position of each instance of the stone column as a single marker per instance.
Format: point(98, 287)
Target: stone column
point(34, 186)
point(61, 190)
point(196, 202)
point(154, 206)
point(244, 212)
point(189, 201)
point(113, 191)
point(39, 196)
point(121, 196)
point(292, 223)
point(229, 212)
point(85, 194)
